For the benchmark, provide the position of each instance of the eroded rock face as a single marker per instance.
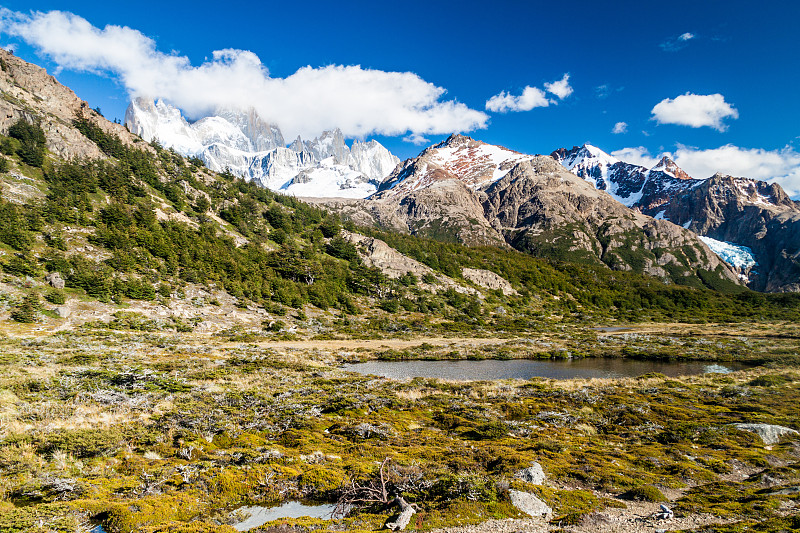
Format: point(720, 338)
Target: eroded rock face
point(488, 280)
point(393, 264)
point(550, 212)
point(32, 94)
point(749, 213)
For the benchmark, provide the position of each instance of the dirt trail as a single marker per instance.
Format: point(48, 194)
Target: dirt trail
point(637, 518)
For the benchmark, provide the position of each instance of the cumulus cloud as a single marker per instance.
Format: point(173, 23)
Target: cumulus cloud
point(673, 44)
point(620, 127)
point(504, 102)
point(776, 166)
point(531, 97)
point(695, 110)
point(357, 100)
point(638, 155)
point(416, 138)
point(560, 88)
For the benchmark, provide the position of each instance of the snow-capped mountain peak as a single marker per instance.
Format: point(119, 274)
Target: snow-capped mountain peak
point(669, 167)
point(604, 171)
point(584, 157)
point(474, 163)
point(240, 140)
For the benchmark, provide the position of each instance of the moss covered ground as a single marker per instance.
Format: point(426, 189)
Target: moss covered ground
point(170, 432)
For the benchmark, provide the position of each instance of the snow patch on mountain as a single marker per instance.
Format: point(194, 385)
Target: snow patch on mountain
point(248, 146)
point(738, 256)
point(474, 163)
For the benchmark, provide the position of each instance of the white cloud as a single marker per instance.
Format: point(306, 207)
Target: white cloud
point(638, 155)
point(620, 127)
point(504, 102)
point(359, 101)
point(416, 138)
point(560, 88)
point(531, 97)
point(673, 44)
point(780, 166)
point(775, 166)
point(695, 110)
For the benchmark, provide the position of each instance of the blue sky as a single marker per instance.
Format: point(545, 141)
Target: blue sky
point(622, 59)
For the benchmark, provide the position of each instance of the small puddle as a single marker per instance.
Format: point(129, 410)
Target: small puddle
point(257, 515)
point(491, 369)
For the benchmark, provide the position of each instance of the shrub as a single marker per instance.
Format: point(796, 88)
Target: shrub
point(32, 141)
point(771, 380)
point(645, 493)
point(27, 310)
point(56, 297)
point(390, 306)
point(340, 248)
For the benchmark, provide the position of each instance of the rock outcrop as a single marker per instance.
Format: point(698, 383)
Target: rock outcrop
point(378, 254)
point(32, 94)
point(769, 433)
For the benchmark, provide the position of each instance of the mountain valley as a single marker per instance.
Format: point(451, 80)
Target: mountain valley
point(177, 317)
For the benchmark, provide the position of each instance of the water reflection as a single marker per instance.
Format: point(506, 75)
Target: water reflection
point(527, 369)
point(257, 515)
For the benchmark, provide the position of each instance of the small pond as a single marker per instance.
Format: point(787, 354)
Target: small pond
point(490, 369)
point(255, 515)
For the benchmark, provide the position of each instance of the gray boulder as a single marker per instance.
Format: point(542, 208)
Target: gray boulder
point(530, 504)
point(533, 474)
point(769, 433)
point(55, 280)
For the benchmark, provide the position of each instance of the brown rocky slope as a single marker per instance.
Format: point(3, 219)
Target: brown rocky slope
point(478, 194)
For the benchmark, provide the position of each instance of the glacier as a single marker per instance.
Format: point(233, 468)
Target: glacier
point(254, 149)
point(736, 255)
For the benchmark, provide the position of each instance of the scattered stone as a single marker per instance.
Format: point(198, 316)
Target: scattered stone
point(769, 433)
point(665, 513)
point(530, 504)
point(533, 474)
point(55, 280)
point(63, 312)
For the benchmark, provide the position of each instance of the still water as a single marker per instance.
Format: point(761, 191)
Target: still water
point(527, 369)
point(257, 515)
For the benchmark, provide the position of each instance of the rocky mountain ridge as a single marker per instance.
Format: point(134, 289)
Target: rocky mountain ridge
point(479, 194)
point(29, 92)
point(239, 140)
point(740, 212)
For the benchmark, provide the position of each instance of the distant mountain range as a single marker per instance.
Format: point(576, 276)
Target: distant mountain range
point(479, 194)
point(254, 149)
point(746, 216)
point(458, 190)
